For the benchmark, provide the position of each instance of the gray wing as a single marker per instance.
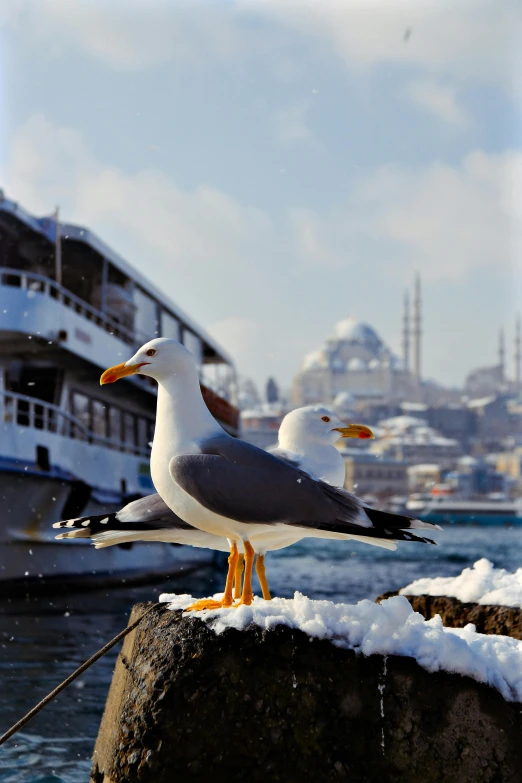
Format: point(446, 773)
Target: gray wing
point(152, 512)
point(241, 482)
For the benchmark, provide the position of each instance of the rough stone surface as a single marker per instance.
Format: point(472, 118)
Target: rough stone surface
point(505, 620)
point(188, 705)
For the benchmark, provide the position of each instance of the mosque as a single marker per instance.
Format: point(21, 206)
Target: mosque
point(356, 363)
point(356, 366)
point(495, 379)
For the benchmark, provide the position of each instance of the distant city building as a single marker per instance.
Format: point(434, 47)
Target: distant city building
point(485, 381)
point(423, 477)
point(248, 396)
point(356, 361)
point(260, 426)
point(372, 411)
point(493, 420)
point(510, 464)
point(410, 439)
point(455, 420)
point(369, 474)
point(475, 477)
point(353, 360)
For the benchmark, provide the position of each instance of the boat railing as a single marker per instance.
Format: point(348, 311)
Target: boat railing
point(32, 281)
point(37, 283)
point(33, 413)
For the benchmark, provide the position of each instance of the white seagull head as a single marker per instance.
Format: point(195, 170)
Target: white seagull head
point(159, 359)
point(317, 425)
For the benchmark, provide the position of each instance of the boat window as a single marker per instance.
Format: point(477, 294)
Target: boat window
point(80, 410)
point(169, 325)
point(129, 428)
point(81, 269)
point(115, 424)
point(193, 343)
point(146, 318)
point(99, 418)
point(44, 383)
point(24, 250)
point(116, 298)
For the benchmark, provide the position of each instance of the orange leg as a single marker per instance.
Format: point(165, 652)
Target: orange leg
point(247, 596)
point(237, 577)
point(209, 603)
point(261, 575)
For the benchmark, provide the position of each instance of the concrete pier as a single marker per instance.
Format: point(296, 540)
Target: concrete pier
point(277, 706)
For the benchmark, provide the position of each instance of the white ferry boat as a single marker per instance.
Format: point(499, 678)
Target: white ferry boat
point(69, 308)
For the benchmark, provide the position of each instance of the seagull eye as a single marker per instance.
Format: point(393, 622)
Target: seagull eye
point(151, 352)
point(325, 418)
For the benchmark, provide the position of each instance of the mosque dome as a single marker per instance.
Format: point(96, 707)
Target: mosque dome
point(337, 364)
point(355, 331)
point(374, 364)
point(357, 365)
point(343, 400)
point(314, 361)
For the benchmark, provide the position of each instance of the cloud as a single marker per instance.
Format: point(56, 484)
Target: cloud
point(272, 286)
point(473, 39)
point(51, 164)
point(131, 35)
point(292, 123)
point(145, 215)
point(450, 220)
point(439, 100)
point(246, 341)
point(445, 220)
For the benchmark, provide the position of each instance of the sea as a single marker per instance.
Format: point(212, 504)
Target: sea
point(44, 638)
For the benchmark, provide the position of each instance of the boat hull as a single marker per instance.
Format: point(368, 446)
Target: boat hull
point(471, 519)
point(51, 567)
point(32, 560)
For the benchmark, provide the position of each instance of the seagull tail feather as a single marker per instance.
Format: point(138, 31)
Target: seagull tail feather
point(401, 521)
point(86, 527)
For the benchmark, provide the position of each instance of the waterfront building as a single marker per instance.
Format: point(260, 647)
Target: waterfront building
point(370, 474)
point(410, 439)
point(423, 477)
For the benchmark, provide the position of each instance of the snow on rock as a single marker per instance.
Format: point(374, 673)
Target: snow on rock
point(482, 584)
point(388, 628)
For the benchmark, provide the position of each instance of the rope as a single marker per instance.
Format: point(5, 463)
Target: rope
point(30, 715)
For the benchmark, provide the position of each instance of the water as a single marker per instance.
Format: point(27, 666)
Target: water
point(42, 640)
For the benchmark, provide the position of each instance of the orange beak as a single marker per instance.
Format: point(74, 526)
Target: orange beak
point(120, 371)
point(355, 431)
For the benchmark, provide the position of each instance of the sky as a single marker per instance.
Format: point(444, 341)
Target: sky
point(278, 166)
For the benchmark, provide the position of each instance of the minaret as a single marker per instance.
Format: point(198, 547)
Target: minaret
point(406, 333)
point(417, 331)
point(501, 354)
point(517, 354)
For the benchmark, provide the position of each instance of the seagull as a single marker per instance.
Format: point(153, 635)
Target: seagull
point(306, 438)
point(232, 489)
